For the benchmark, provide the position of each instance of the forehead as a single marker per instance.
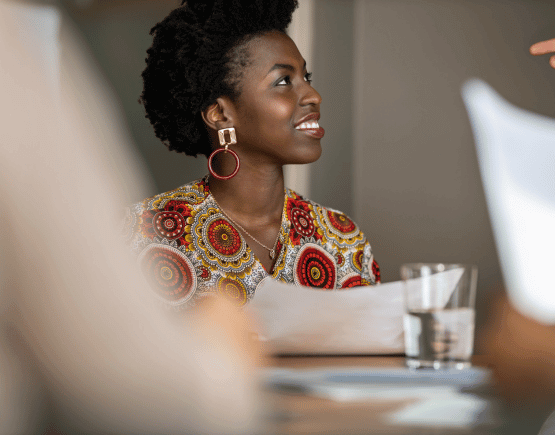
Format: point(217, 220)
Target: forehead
point(273, 48)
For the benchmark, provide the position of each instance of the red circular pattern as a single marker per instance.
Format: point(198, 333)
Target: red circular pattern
point(376, 271)
point(205, 273)
point(224, 238)
point(302, 222)
point(357, 259)
point(315, 269)
point(340, 259)
point(353, 281)
point(169, 224)
point(169, 273)
point(341, 222)
point(233, 290)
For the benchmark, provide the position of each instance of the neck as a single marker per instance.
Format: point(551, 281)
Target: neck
point(256, 192)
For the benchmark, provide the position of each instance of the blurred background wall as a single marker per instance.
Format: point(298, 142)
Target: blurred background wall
point(398, 154)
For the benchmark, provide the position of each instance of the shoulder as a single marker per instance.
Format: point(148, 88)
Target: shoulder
point(164, 215)
point(193, 193)
point(334, 224)
point(314, 226)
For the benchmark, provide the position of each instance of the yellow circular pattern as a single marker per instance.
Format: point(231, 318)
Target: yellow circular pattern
point(315, 273)
point(166, 273)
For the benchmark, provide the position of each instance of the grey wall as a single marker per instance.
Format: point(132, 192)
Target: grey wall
point(331, 177)
point(414, 184)
point(418, 191)
point(118, 34)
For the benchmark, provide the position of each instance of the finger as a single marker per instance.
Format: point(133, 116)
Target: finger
point(552, 61)
point(543, 47)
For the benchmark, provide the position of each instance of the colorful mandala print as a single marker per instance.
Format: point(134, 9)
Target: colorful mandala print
point(169, 272)
point(233, 289)
point(223, 237)
point(169, 224)
point(300, 215)
point(219, 243)
point(302, 222)
point(358, 257)
point(353, 280)
point(339, 259)
point(181, 207)
point(376, 271)
point(341, 222)
point(315, 267)
point(339, 225)
point(187, 247)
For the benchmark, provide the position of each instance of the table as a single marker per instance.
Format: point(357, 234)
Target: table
point(299, 412)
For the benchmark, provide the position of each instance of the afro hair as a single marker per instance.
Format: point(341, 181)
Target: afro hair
point(198, 54)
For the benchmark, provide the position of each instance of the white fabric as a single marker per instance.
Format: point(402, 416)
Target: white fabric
point(516, 152)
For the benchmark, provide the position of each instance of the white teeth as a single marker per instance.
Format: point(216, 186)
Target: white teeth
point(308, 126)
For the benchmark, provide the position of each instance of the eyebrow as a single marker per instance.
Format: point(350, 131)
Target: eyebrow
point(285, 66)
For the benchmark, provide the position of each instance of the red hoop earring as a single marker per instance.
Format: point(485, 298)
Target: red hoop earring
point(223, 177)
point(225, 144)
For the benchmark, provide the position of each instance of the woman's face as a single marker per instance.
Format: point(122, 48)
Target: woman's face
point(276, 115)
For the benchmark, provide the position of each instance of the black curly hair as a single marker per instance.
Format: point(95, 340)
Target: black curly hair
point(198, 54)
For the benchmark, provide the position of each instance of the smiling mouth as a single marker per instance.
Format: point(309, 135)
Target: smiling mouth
point(309, 125)
point(312, 128)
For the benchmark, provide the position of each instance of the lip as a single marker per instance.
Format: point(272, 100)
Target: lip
point(309, 117)
point(318, 133)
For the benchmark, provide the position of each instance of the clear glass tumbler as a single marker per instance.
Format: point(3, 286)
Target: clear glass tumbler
point(439, 314)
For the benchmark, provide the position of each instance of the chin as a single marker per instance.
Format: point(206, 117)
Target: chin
point(306, 155)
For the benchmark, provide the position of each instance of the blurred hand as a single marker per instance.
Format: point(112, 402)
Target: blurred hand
point(522, 353)
point(226, 326)
point(544, 47)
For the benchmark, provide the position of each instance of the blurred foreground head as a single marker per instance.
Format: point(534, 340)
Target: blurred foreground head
point(82, 346)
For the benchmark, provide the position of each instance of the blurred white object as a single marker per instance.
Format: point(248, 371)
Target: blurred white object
point(38, 28)
point(81, 344)
point(516, 152)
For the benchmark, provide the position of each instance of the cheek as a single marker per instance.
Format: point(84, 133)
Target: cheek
point(274, 113)
point(281, 109)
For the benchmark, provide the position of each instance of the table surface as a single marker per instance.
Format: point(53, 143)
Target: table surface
point(371, 361)
point(298, 412)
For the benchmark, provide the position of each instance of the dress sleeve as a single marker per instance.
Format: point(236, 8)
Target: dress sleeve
point(370, 267)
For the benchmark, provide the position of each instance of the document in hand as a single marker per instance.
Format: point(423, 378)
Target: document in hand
point(360, 320)
point(516, 152)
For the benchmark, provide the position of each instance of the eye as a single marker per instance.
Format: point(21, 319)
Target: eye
point(308, 77)
point(284, 81)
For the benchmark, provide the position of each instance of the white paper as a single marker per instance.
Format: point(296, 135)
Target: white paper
point(516, 152)
point(302, 320)
point(360, 320)
point(433, 390)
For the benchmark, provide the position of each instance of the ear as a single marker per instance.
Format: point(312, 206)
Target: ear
point(219, 115)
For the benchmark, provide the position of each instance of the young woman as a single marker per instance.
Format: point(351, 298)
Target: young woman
point(224, 80)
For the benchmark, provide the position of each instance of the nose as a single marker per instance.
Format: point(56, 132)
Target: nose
point(310, 96)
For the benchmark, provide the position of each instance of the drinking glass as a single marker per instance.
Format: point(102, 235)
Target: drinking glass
point(439, 314)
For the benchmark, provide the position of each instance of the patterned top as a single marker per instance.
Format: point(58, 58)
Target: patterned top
point(186, 247)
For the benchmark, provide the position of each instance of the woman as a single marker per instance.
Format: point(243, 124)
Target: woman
point(224, 80)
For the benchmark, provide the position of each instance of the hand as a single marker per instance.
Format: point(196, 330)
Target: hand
point(544, 47)
point(522, 353)
point(227, 328)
